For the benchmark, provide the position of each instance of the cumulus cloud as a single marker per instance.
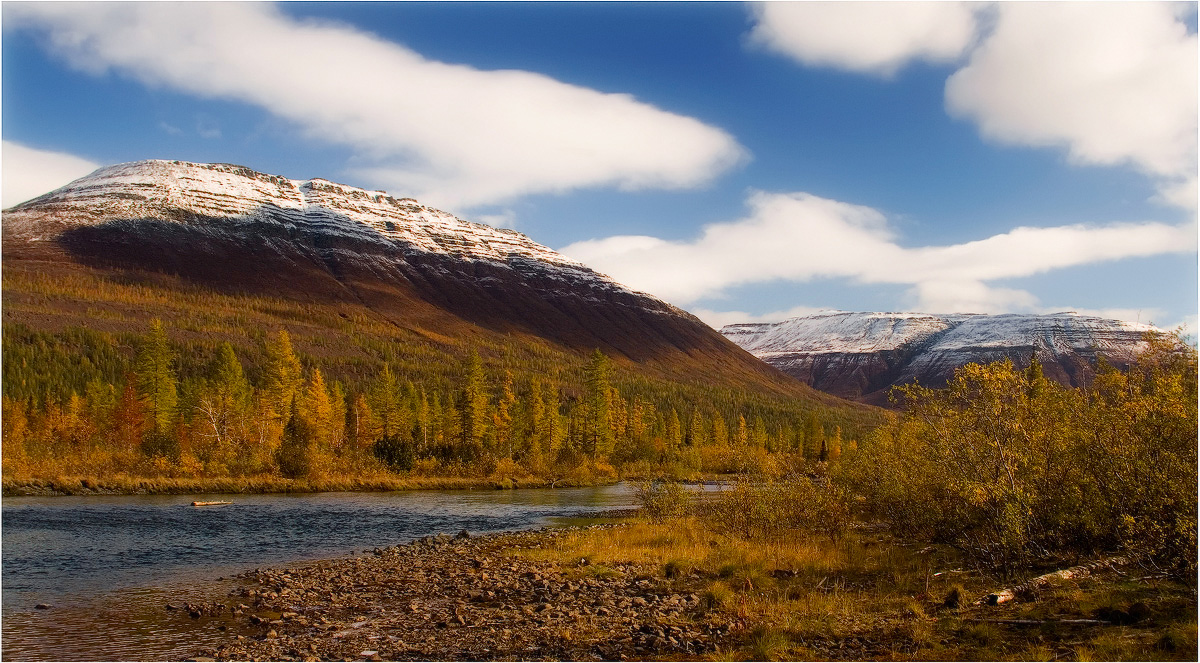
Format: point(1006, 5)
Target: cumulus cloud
point(799, 237)
point(449, 134)
point(30, 172)
point(867, 37)
point(1112, 82)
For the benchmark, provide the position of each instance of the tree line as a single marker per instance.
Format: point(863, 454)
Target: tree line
point(163, 413)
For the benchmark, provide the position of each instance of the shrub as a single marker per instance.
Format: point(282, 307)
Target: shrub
point(1010, 467)
point(773, 509)
point(661, 499)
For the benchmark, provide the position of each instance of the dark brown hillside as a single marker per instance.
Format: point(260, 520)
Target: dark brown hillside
point(346, 296)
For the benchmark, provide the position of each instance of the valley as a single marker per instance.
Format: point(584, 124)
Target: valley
point(205, 329)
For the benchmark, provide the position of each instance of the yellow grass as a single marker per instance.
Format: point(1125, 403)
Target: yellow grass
point(869, 596)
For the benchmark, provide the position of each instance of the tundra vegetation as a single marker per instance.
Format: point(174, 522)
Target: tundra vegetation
point(888, 551)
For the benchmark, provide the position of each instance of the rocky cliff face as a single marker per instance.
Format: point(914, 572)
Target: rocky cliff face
point(228, 228)
point(862, 355)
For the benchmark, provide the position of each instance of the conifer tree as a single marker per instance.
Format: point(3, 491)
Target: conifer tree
point(282, 379)
point(502, 418)
point(318, 408)
point(598, 432)
point(294, 455)
point(156, 380)
point(720, 434)
point(337, 417)
point(385, 402)
point(473, 404)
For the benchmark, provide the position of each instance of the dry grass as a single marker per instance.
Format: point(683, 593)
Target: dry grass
point(873, 597)
point(130, 484)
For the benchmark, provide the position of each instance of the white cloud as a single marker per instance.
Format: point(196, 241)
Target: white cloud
point(29, 172)
point(503, 219)
point(1145, 316)
point(799, 237)
point(718, 319)
point(1178, 192)
point(966, 296)
point(869, 37)
point(449, 134)
point(1113, 82)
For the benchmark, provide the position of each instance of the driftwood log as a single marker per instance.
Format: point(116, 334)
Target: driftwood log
point(1032, 586)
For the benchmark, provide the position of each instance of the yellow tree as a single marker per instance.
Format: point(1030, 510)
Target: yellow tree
point(283, 375)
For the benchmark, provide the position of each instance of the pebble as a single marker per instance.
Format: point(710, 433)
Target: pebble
point(431, 600)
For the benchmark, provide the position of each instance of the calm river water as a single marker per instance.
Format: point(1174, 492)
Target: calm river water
point(107, 565)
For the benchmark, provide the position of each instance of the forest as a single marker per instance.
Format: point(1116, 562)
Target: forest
point(85, 408)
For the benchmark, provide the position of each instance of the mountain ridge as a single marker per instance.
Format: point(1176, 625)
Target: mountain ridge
point(863, 355)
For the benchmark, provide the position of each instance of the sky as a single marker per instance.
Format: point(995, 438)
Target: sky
point(746, 162)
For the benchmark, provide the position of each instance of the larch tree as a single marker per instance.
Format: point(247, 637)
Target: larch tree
point(473, 408)
point(156, 381)
point(283, 375)
point(598, 430)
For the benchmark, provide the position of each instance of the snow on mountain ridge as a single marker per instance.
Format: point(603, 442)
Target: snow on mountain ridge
point(846, 332)
point(157, 189)
point(863, 355)
point(836, 331)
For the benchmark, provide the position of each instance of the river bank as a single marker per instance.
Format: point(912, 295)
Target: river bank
point(129, 485)
point(464, 598)
point(640, 589)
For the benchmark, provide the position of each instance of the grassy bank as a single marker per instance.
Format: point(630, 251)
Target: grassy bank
point(870, 596)
point(133, 485)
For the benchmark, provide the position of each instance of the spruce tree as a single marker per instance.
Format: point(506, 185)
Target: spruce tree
point(294, 455)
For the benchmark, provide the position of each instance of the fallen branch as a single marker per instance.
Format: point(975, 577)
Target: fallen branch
point(1028, 588)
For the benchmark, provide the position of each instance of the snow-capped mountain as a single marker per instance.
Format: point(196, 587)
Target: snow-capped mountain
point(227, 228)
point(194, 194)
point(862, 355)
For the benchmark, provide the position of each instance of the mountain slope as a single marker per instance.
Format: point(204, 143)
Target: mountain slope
point(862, 355)
point(332, 263)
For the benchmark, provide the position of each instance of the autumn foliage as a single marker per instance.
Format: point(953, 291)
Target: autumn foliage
point(1013, 468)
point(95, 405)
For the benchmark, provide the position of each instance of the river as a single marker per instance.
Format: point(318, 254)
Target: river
point(106, 565)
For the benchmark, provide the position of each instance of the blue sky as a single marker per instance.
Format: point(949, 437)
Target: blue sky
point(745, 162)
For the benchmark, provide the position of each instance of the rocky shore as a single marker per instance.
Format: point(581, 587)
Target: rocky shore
point(463, 598)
